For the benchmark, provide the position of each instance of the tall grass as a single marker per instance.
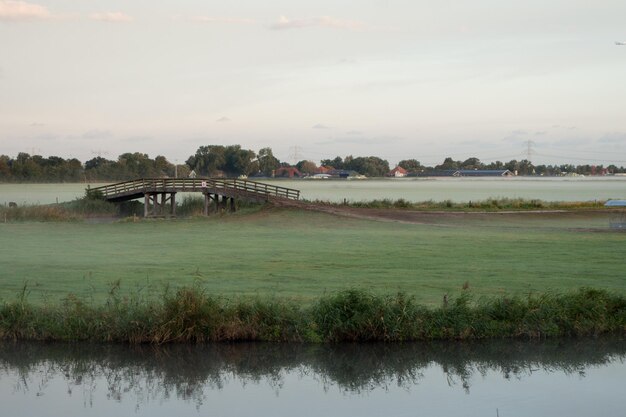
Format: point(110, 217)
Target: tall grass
point(190, 315)
point(69, 211)
point(92, 206)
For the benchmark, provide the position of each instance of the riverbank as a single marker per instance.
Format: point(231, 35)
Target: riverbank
point(190, 315)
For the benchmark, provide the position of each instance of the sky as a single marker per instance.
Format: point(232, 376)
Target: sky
point(398, 79)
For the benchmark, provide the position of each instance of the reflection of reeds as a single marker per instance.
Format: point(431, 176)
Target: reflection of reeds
point(185, 371)
point(191, 315)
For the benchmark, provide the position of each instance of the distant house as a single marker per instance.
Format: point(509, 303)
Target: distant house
point(323, 169)
point(287, 172)
point(397, 172)
point(342, 173)
point(483, 173)
point(438, 173)
point(319, 177)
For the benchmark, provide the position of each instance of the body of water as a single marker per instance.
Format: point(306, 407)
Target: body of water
point(411, 189)
point(503, 378)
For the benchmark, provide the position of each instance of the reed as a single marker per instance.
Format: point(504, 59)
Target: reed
point(190, 315)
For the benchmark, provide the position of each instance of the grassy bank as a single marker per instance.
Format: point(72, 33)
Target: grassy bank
point(190, 315)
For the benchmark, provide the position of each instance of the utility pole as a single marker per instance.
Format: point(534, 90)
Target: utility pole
point(529, 149)
point(295, 154)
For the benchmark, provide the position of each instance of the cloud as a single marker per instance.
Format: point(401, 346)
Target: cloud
point(516, 136)
point(227, 20)
point(223, 120)
point(321, 21)
point(11, 10)
point(97, 134)
point(618, 138)
point(36, 124)
point(115, 17)
point(374, 141)
point(320, 126)
point(354, 132)
point(570, 142)
point(138, 139)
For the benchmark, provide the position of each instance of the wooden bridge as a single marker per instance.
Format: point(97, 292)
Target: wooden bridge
point(160, 194)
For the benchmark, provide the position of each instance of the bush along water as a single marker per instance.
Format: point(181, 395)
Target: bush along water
point(190, 315)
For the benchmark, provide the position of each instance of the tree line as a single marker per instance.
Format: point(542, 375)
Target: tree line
point(234, 161)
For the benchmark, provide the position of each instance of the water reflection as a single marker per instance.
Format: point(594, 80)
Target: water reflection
point(184, 372)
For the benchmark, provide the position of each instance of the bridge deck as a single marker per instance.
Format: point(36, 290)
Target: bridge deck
point(231, 188)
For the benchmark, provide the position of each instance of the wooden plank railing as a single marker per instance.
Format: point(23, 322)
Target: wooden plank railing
point(235, 186)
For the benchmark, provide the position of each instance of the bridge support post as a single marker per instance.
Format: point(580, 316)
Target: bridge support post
point(153, 206)
point(232, 204)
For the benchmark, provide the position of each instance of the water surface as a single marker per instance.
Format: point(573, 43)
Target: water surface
point(411, 189)
point(555, 378)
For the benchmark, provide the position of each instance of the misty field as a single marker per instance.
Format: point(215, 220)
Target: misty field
point(303, 255)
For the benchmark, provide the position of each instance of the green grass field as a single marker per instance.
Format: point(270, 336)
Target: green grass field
point(302, 255)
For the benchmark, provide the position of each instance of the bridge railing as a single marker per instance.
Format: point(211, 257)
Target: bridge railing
point(254, 187)
point(117, 188)
point(234, 185)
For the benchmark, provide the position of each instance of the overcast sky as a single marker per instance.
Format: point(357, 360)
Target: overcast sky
point(315, 79)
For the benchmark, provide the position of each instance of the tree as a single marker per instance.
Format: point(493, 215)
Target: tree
point(5, 167)
point(267, 162)
point(371, 166)
point(162, 167)
point(307, 167)
point(472, 163)
point(525, 167)
point(336, 163)
point(411, 165)
point(449, 163)
point(136, 165)
point(239, 161)
point(207, 160)
point(25, 167)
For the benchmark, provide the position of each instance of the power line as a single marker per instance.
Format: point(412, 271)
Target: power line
point(585, 151)
point(580, 159)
